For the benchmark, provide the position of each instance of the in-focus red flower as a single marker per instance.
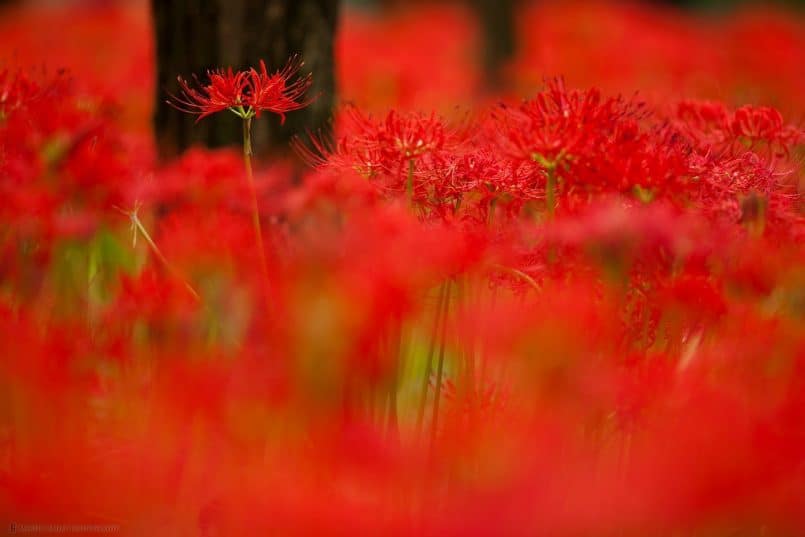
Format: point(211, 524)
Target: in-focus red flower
point(278, 92)
point(246, 93)
point(224, 91)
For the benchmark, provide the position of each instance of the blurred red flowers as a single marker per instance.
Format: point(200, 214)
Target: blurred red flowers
point(577, 314)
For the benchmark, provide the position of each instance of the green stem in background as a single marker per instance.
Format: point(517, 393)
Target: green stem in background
point(247, 162)
point(409, 185)
point(138, 227)
point(491, 215)
point(550, 179)
point(469, 301)
point(550, 192)
point(93, 270)
point(490, 307)
point(397, 355)
point(439, 371)
point(517, 274)
point(423, 396)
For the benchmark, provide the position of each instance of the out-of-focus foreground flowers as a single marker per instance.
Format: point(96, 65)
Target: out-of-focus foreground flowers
point(580, 314)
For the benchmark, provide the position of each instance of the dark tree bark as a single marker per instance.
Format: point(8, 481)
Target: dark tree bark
point(499, 37)
point(193, 36)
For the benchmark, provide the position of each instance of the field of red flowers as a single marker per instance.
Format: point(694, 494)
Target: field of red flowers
point(575, 309)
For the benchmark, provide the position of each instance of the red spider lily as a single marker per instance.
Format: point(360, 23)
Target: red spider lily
point(711, 124)
point(398, 152)
point(763, 124)
point(225, 91)
point(372, 145)
point(584, 144)
point(277, 92)
point(246, 93)
point(407, 137)
point(559, 125)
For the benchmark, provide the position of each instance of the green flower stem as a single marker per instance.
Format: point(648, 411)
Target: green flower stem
point(439, 371)
point(409, 185)
point(247, 162)
point(469, 299)
point(517, 274)
point(550, 192)
point(437, 319)
point(550, 179)
point(138, 227)
point(397, 351)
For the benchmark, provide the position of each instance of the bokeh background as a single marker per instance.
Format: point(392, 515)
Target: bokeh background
point(430, 55)
point(640, 343)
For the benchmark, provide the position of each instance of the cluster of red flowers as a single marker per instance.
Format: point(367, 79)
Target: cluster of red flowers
point(581, 314)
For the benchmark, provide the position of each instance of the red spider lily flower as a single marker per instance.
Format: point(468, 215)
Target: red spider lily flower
point(246, 93)
point(413, 135)
point(225, 91)
point(751, 128)
point(276, 92)
point(560, 124)
point(382, 146)
point(763, 124)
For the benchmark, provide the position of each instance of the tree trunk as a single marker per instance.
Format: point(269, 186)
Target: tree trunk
point(499, 37)
point(193, 36)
